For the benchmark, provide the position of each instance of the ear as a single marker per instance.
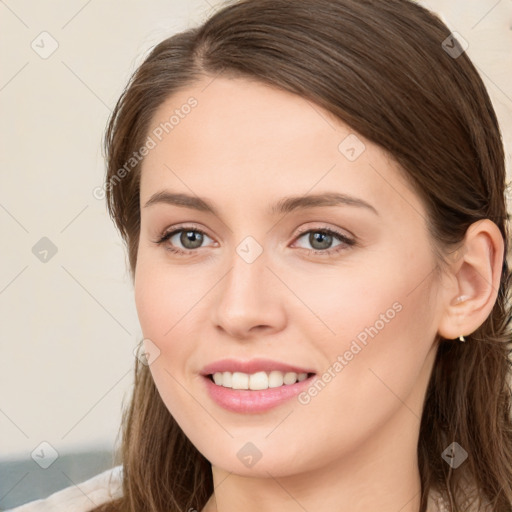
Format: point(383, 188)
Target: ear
point(475, 279)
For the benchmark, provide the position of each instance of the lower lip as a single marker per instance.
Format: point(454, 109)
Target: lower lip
point(247, 401)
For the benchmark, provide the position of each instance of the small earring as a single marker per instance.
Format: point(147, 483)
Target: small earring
point(458, 300)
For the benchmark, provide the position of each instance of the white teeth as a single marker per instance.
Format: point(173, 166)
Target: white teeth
point(240, 381)
point(257, 381)
point(290, 378)
point(226, 379)
point(275, 379)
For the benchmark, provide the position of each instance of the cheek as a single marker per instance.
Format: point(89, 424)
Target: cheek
point(384, 327)
point(158, 309)
point(363, 301)
point(164, 295)
point(170, 301)
point(160, 304)
point(153, 304)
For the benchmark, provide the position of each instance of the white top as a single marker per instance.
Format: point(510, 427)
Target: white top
point(82, 497)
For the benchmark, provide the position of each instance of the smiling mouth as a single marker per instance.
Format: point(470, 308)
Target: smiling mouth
point(257, 381)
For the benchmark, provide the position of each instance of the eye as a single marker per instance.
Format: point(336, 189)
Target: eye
point(321, 240)
point(190, 237)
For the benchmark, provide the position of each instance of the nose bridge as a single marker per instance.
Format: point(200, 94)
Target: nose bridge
point(247, 298)
point(246, 275)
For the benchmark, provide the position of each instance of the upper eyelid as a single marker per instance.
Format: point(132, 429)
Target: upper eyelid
point(336, 231)
point(190, 227)
point(301, 231)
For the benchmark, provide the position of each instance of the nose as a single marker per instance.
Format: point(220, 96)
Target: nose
point(249, 299)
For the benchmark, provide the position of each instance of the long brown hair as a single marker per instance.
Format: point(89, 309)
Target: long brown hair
point(392, 71)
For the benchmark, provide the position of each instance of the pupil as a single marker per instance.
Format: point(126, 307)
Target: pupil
point(314, 237)
point(189, 236)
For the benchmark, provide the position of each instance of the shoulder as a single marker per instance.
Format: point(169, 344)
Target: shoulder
point(85, 496)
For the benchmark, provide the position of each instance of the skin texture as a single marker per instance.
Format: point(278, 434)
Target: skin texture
point(353, 446)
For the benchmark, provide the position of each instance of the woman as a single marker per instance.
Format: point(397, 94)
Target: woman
point(312, 199)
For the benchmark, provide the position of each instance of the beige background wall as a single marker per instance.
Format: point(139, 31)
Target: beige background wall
point(68, 324)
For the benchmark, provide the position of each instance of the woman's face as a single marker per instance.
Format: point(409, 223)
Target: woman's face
point(355, 305)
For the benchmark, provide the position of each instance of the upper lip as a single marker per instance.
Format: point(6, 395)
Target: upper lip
point(251, 366)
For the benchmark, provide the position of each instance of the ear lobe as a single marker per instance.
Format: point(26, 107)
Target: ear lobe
point(476, 278)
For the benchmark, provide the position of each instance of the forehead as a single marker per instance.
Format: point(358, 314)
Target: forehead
point(243, 139)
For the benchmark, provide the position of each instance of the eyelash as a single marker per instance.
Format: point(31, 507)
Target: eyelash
point(346, 242)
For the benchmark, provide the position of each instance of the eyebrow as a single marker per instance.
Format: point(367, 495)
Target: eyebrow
point(283, 206)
